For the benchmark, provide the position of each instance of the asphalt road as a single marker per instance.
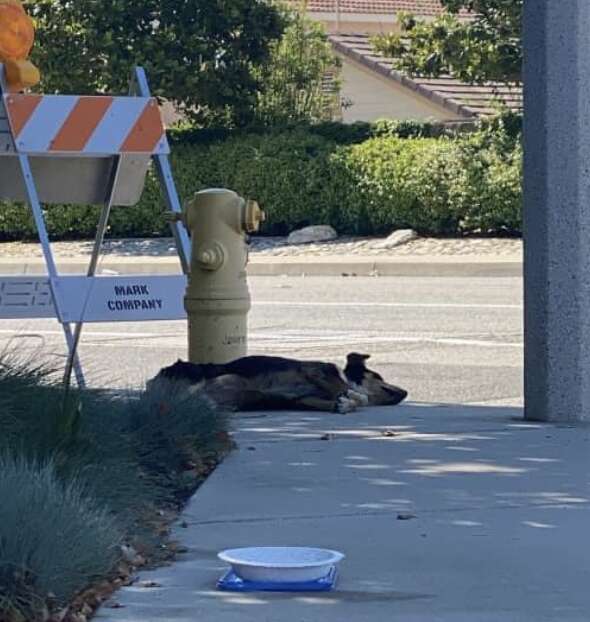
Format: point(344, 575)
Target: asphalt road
point(451, 340)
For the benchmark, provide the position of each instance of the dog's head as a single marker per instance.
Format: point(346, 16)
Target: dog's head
point(379, 392)
point(323, 379)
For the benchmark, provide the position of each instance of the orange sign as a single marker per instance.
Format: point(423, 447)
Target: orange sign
point(16, 32)
point(17, 35)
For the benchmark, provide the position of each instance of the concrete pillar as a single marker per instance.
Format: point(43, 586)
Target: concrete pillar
point(557, 210)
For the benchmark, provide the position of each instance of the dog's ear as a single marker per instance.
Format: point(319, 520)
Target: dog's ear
point(354, 358)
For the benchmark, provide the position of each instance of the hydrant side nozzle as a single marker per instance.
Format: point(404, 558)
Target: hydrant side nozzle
point(253, 216)
point(211, 256)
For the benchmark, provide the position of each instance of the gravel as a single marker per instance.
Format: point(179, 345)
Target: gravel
point(279, 247)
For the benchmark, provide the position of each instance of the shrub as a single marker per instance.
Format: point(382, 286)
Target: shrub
point(399, 183)
point(53, 538)
point(174, 432)
point(125, 448)
point(296, 77)
point(487, 187)
point(93, 452)
point(33, 407)
point(334, 131)
point(447, 185)
point(204, 53)
point(361, 179)
point(285, 171)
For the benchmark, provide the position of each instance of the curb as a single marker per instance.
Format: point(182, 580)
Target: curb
point(344, 266)
point(389, 267)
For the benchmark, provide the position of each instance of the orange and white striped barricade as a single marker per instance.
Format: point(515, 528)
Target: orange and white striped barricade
point(86, 150)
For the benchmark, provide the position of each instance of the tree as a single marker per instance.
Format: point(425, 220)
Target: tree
point(487, 46)
point(302, 77)
point(202, 54)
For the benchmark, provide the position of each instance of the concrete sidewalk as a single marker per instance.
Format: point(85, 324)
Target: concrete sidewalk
point(331, 265)
point(445, 513)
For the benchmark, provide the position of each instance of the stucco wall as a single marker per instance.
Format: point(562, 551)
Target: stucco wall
point(375, 97)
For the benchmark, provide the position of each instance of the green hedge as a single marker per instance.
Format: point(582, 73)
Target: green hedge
point(343, 134)
point(361, 179)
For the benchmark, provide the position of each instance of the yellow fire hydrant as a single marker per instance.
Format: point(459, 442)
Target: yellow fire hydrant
point(17, 35)
point(218, 298)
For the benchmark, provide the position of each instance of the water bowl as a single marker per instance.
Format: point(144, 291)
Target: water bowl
point(285, 564)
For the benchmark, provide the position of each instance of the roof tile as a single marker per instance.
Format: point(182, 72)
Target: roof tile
point(467, 100)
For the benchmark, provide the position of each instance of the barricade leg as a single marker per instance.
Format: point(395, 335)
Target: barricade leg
point(39, 219)
point(98, 241)
point(162, 163)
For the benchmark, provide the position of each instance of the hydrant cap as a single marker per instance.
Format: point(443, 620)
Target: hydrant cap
point(209, 199)
point(215, 191)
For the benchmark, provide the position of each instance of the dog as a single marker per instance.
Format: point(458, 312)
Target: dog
point(275, 383)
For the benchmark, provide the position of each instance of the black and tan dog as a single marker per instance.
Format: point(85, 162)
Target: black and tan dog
point(272, 383)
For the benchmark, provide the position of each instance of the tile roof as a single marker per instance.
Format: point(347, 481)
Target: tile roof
point(466, 100)
point(390, 7)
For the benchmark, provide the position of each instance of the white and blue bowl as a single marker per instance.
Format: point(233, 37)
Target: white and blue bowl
point(284, 564)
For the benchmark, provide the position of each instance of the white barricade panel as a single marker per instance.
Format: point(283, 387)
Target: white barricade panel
point(98, 299)
point(124, 299)
point(25, 297)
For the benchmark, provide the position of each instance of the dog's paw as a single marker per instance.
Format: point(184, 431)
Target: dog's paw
point(345, 405)
point(360, 399)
